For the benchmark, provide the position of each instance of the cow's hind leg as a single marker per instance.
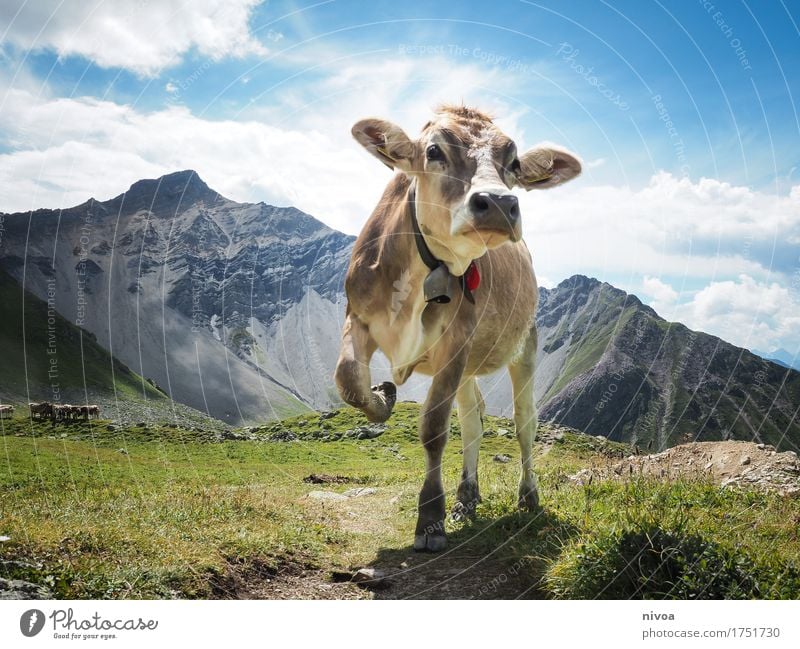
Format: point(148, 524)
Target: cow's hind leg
point(470, 416)
point(526, 420)
point(353, 376)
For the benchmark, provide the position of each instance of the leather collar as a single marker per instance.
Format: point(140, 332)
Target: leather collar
point(438, 285)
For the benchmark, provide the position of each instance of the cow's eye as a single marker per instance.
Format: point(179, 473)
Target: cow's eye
point(434, 154)
point(515, 167)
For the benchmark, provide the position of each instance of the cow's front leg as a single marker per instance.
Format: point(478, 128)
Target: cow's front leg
point(470, 416)
point(526, 421)
point(433, 426)
point(353, 376)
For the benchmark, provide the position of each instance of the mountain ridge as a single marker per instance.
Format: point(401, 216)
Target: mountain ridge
point(634, 376)
point(236, 309)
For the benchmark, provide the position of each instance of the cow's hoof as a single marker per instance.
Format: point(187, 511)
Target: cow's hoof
point(468, 498)
point(387, 395)
point(430, 542)
point(529, 498)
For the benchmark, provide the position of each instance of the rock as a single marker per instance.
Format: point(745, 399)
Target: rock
point(282, 436)
point(20, 589)
point(745, 460)
point(330, 414)
point(368, 431)
point(326, 495)
point(233, 436)
point(370, 578)
point(360, 491)
point(761, 447)
point(3, 539)
point(122, 450)
point(503, 432)
point(323, 478)
point(111, 427)
point(502, 458)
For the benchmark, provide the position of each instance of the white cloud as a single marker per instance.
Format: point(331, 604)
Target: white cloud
point(745, 312)
point(670, 228)
point(144, 37)
point(171, 88)
point(663, 294)
point(65, 148)
point(71, 149)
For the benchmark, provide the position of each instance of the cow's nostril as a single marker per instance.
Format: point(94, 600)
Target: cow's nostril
point(479, 203)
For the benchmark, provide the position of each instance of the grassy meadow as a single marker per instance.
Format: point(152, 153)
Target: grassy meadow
point(155, 511)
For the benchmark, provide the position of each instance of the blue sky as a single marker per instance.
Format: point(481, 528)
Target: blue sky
point(684, 113)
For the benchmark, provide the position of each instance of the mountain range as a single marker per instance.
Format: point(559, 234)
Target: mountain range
point(781, 357)
point(235, 309)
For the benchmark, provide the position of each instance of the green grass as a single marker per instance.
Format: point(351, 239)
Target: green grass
point(76, 362)
point(161, 512)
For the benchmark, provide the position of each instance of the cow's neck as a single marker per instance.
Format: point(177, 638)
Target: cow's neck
point(440, 252)
point(441, 283)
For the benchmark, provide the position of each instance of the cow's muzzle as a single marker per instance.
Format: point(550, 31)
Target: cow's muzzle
point(496, 213)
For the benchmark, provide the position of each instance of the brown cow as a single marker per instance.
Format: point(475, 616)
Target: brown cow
point(41, 410)
point(441, 282)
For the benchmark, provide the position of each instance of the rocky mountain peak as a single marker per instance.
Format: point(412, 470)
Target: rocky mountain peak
point(168, 195)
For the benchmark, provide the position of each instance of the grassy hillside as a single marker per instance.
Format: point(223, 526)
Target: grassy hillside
point(163, 512)
point(44, 354)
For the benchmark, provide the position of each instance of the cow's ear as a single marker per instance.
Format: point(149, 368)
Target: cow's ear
point(546, 166)
point(386, 141)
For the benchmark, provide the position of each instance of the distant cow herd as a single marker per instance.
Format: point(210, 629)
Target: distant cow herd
point(62, 412)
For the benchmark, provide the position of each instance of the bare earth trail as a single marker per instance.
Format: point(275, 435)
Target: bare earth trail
point(372, 516)
point(461, 572)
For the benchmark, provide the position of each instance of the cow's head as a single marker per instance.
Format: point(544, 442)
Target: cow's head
point(465, 168)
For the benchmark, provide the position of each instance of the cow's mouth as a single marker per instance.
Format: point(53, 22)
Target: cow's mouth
point(492, 237)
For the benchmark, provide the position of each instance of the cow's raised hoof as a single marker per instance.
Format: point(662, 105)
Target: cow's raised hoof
point(430, 542)
point(468, 499)
point(387, 393)
point(528, 498)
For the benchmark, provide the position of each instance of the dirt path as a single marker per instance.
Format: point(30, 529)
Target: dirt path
point(461, 572)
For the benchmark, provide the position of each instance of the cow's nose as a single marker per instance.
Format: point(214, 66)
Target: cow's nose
point(488, 208)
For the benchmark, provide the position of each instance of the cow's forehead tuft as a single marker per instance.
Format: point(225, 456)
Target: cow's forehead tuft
point(469, 126)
